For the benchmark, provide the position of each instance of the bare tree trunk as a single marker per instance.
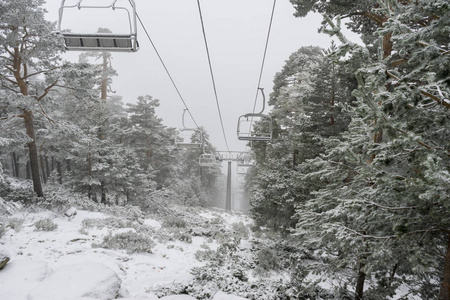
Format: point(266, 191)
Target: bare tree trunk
point(359, 292)
point(68, 165)
point(103, 189)
point(32, 149)
point(444, 293)
point(59, 170)
point(13, 163)
point(47, 166)
point(104, 87)
point(16, 166)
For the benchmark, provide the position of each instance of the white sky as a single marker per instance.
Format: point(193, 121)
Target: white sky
point(236, 32)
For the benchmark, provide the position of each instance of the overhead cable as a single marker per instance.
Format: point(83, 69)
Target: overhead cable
point(167, 71)
point(212, 74)
point(265, 53)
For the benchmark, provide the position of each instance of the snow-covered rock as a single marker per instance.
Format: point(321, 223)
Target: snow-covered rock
point(178, 297)
point(153, 223)
point(89, 280)
point(222, 296)
point(19, 277)
point(4, 257)
point(71, 212)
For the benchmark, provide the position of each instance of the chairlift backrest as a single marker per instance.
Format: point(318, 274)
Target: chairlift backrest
point(246, 159)
point(91, 41)
point(243, 169)
point(207, 160)
point(246, 129)
point(189, 138)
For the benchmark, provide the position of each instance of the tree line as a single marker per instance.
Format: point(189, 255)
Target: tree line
point(61, 124)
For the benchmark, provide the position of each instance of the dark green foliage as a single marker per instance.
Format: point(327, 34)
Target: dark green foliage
point(130, 241)
point(45, 225)
point(174, 221)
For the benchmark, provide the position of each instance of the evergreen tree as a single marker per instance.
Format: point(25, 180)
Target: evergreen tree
point(152, 141)
point(29, 52)
point(385, 201)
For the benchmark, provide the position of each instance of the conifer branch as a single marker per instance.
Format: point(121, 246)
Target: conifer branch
point(40, 72)
point(365, 236)
point(46, 91)
point(388, 207)
point(445, 102)
point(444, 52)
point(7, 79)
point(45, 114)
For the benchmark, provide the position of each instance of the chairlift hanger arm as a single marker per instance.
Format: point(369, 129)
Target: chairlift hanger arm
point(264, 100)
point(132, 21)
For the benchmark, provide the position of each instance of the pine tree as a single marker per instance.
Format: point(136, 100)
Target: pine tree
point(29, 50)
point(386, 200)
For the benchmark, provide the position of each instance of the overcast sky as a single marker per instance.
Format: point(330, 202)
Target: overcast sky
point(236, 31)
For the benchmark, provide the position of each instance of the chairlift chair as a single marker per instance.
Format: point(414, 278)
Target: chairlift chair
point(246, 159)
point(188, 138)
point(243, 169)
point(246, 129)
point(100, 41)
point(207, 160)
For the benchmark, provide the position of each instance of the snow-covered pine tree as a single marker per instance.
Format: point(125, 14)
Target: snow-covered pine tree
point(152, 141)
point(29, 65)
point(306, 111)
point(387, 212)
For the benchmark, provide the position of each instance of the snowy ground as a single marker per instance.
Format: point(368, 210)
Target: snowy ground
point(63, 264)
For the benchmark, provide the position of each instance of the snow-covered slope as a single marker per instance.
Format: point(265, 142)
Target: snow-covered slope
point(69, 262)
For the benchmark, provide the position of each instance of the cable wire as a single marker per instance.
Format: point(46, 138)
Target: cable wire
point(265, 53)
point(165, 68)
point(212, 74)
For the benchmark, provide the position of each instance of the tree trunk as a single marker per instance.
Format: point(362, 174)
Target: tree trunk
point(359, 292)
point(16, 166)
point(13, 163)
point(104, 87)
point(47, 166)
point(32, 149)
point(103, 189)
point(68, 165)
point(444, 293)
point(59, 170)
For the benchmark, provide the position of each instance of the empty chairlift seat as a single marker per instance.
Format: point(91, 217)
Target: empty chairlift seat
point(101, 41)
point(255, 126)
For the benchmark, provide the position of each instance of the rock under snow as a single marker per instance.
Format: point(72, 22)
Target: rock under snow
point(223, 296)
point(71, 212)
point(80, 281)
point(4, 257)
point(19, 277)
point(178, 297)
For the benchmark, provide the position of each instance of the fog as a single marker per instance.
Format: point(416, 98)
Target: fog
point(236, 32)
